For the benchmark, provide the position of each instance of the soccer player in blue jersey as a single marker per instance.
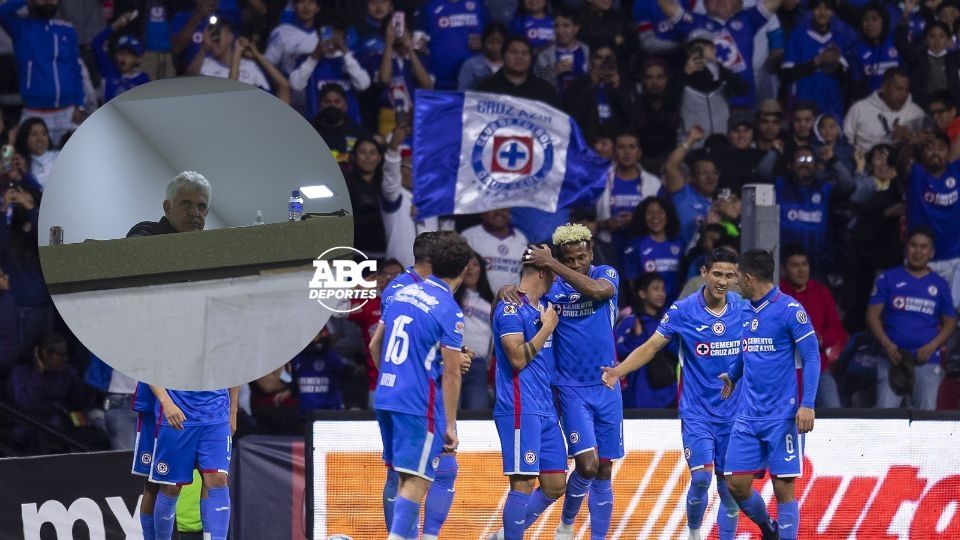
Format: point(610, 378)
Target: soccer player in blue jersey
point(440, 497)
point(708, 326)
point(144, 404)
point(416, 426)
point(592, 417)
point(775, 410)
point(194, 431)
point(530, 438)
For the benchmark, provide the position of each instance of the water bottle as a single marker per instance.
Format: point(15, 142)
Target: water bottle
point(295, 208)
point(259, 219)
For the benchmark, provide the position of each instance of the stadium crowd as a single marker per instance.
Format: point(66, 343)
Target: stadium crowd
point(850, 109)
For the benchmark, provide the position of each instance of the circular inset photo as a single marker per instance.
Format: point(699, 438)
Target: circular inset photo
point(180, 232)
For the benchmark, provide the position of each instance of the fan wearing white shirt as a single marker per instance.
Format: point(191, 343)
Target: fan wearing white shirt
point(222, 56)
point(290, 43)
point(500, 245)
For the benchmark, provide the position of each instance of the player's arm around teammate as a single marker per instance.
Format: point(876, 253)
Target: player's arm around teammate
point(570, 270)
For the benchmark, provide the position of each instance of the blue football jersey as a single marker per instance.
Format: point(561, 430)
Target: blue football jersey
point(200, 408)
point(771, 329)
point(912, 307)
point(645, 254)
point(869, 62)
point(709, 343)
point(143, 398)
point(935, 202)
point(583, 339)
point(804, 213)
point(539, 32)
point(526, 391)
point(820, 87)
point(449, 25)
point(409, 277)
point(419, 320)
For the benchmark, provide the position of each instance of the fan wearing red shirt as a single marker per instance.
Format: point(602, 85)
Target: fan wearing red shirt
point(816, 299)
point(368, 316)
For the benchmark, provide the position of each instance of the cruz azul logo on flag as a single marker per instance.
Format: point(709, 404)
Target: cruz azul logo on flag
point(514, 152)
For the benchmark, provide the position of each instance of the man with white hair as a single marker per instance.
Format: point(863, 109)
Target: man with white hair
point(184, 208)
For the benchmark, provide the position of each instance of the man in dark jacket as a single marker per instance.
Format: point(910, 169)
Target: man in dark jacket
point(600, 96)
point(184, 208)
point(516, 79)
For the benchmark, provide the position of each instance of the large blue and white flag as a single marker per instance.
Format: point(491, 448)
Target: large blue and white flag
point(474, 152)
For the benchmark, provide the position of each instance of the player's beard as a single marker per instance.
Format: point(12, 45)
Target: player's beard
point(331, 116)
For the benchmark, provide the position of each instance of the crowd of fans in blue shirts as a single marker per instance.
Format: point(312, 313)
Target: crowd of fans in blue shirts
point(848, 108)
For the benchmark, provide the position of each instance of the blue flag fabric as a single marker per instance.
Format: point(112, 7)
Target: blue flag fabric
point(474, 152)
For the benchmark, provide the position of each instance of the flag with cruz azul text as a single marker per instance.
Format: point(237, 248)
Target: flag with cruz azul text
point(474, 152)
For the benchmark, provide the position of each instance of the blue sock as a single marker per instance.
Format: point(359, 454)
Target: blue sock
point(390, 489)
point(601, 508)
point(788, 516)
point(164, 516)
point(577, 487)
point(697, 497)
point(514, 515)
point(729, 513)
point(536, 505)
point(406, 513)
point(440, 497)
point(756, 510)
point(215, 512)
point(146, 524)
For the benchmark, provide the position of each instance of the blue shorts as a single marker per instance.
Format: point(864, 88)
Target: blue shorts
point(757, 445)
point(177, 453)
point(143, 447)
point(592, 417)
point(531, 444)
point(408, 445)
point(705, 443)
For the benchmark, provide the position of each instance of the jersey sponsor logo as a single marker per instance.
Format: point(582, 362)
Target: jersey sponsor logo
point(915, 305)
point(574, 437)
point(805, 216)
point(932, 290)
point(718, 348)
point(718, 328)
point(510, 309)
point(802, 317)
point(512, 153)
point(703, 349)
point(941, 199)
point(337, 282)
point(530, 457)
point(898, 285)
point(702, 327)
point(146, 458)
point(162, 468)
point(759, 344)
point(650, 266)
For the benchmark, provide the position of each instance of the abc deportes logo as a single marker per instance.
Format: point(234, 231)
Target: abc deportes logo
point(336, 282)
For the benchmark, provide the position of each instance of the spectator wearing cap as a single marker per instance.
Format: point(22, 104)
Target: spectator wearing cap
point(822, 310)
point(873, 52)
point(885, 116)
point(932, 65)
point(658, 111)
point(734, 31)
point(740, 161)
point(121, 72)
point(330, 62)
point(814, 65)
point(692, 197)
point(487, 62)
point(453, 28)
point(47, 55)
point(332, 122)
point(942, 107)
point(567, 58)
point(601, 95)
point(911, 314)
point(707, 86)
point(769, 126)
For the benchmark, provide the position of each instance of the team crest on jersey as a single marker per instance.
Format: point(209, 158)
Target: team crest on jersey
point(530, 457)
point(932, 290)
point(754, 324)
point(502, 249)
point(510, 309)
point(899, 302)
point(459, 327)
point(816, 198)
point(146, 458)
point(574, 437)
point(574, 297)
point(436, 462)
point(950, 182)
point(650, 266)
point(703, 349)
point(893, 52)
point(801, 316)
point(675, 250)
point(718, 328)
point(162, 468)
point(736, 26)
point(611, 272)
point(511, 154)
